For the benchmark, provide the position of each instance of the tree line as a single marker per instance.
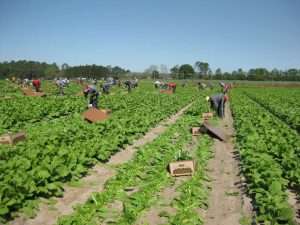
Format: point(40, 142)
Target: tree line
point(201, 70)
point(33, 69)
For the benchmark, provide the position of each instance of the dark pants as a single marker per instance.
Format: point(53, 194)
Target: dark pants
point(105, 89)
point(61, 90)
point(94, 100)
point(219, 107)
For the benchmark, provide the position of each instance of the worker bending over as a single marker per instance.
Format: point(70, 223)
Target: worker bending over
point(172, 86)
point(94, 95)
point(60, 83)
point(36, 83)
point(128, 85)
point(157, 84)
point(217, 102)
point(106, 87)
point(225, 87)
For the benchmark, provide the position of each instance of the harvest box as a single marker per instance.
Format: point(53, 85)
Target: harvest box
point(169, 92)
point(29, 92)
point(208, 115)
point(12, 138)
point(196, 131)
point(93, 115)
point(182, 168)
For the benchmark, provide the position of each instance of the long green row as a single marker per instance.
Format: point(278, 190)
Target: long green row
point(270, 153)
point(147, 173)
point(282, 102)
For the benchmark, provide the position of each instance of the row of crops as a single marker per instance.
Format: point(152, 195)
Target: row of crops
point(269, 150)
point(283, 102)
point(61, 146)
point(147, 173)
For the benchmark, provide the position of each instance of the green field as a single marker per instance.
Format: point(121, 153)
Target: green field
point(61, 148)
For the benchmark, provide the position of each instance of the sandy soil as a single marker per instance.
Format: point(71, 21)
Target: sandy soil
point(227, 203)
point(48, 214)
point(294, 201)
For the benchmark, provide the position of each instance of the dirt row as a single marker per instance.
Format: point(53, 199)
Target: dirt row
point(228, 203)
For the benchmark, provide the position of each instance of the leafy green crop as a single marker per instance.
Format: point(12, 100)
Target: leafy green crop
point(147, 172)
point(63, 149)
point(270, 158)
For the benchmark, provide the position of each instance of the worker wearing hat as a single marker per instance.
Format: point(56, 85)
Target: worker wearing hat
point(217, 103)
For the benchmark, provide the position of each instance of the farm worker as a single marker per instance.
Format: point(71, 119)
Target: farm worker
point(201, 85)
point(157, 84)
point(26, 82)
point(119, 83)
point(128, 85)
point(222, 84)
point(66, 82)
point(217, 102)
point(225, 87)
point(36, 84)
point(135, 83)
point(106, 87)
point(94, 95)
point(172, 86)
point(60, 84)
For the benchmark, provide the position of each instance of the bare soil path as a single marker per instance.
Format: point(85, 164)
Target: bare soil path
point(227, 203)
point(95, 180)
point(294, 201)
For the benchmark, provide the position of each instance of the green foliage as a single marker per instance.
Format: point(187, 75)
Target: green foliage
point(186, 71)
point(29, 69)
point(194, 193)
point(269, 154)
point(147, 172)
point(63, 148)
point(282, 102)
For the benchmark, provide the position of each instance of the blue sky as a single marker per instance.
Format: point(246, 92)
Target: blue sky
point(137, 33)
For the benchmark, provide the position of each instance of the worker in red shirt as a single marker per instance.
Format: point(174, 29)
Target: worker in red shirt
point(172, 86)
point(36, 84)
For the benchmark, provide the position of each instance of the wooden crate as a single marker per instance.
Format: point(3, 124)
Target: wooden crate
point(196, 131)
point(182, 168)
point(93, 115)
point(207, 116)
point(30, 92)
point(12, 138)
point(169, 92)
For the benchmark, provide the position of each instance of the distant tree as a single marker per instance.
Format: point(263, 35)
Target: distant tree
point(241, 75)
point(202, 67)
point(164, 69)
point(151, 69)
point(155, 74)
point(186, 71)
point(209, 74)
point(52, 71)
point(65, 66)
point(175, 72)
point(218, 74)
